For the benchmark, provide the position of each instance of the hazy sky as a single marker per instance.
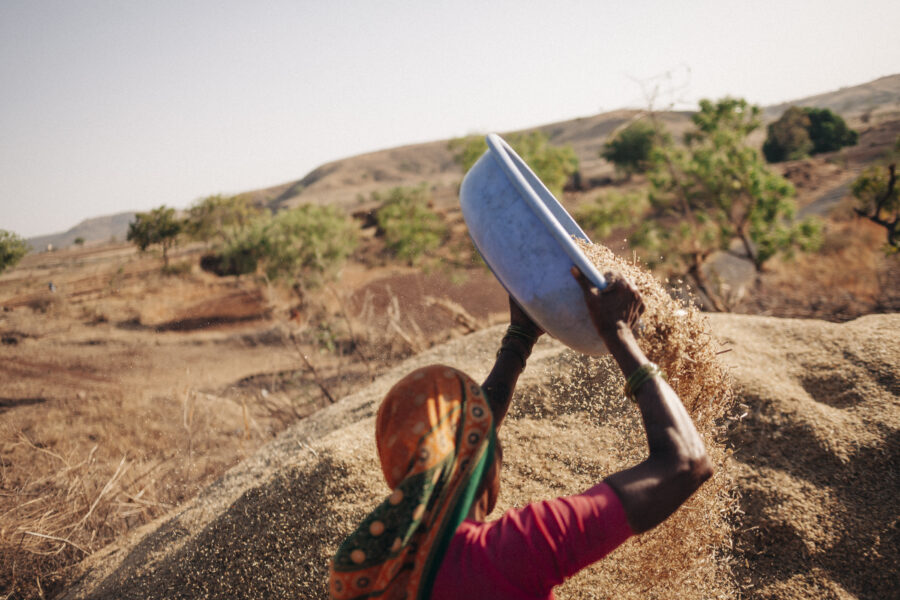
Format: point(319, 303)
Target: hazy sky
point(118, 105)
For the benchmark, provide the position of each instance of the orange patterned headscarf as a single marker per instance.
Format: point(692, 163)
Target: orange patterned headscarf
point(435, 438)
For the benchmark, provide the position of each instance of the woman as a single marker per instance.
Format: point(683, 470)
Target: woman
point(436, 438)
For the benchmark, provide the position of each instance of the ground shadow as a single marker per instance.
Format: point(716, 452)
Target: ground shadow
point(863, 560)
point(258, 548)
point(8, 403)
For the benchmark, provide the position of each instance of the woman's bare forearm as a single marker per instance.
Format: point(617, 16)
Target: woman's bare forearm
point(677, 464)
point(501, 381)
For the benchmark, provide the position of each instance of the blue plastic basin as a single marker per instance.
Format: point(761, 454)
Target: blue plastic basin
point(525, 237)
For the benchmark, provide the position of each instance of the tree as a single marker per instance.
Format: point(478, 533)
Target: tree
point(803, 131)
point(716, 188)
point(159, 226)
point(879, 196)
point(12, 249)
point(552, 164)
point(220, 217)
point(79, 241)
point(788, 137)
point(410, 228)
point(304, 245)
point(828, 131)
point(630, 149)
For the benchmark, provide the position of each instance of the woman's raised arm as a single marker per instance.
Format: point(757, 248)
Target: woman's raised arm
point(678, 464)
point(515, 348)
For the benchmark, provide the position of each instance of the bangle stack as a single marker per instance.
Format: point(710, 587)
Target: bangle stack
point(514, 331)
point(642, 375)
point(522, 349)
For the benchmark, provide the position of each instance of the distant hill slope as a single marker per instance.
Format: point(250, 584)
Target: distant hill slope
point(349, 182)
point(879, 99)
point(96, 229)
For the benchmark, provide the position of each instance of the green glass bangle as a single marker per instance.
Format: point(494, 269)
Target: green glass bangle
point(641, 375)
point(514, 331)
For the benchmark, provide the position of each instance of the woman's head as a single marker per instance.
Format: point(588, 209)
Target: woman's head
point(434, 417)
point(435, 437)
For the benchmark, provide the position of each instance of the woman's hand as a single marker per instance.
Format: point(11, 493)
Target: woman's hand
point(618, 305)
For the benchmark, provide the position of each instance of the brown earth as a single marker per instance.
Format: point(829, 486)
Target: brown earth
point(125, 391)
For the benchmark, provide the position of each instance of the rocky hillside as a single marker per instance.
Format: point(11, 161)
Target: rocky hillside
point(344, 181)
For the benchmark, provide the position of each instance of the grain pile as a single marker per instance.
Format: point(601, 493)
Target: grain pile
point(815, 455)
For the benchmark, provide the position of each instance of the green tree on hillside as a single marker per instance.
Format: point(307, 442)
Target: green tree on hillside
point(630, 148)
point(410, 228)
point(12, 249)
point(878, 196)
point(159, 226)
point(828, 131)
point(552, 164)
point(304, 245)
point(788, 137)
point(220, 217)
point(716, 188)
point(804, 131)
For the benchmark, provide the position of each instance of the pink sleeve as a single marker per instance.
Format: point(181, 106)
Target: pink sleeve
point(530, 550)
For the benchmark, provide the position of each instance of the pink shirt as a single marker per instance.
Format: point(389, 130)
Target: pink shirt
point(528, 551)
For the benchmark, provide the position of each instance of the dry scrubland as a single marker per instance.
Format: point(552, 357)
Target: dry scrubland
point(126, 392)
point(161, 436)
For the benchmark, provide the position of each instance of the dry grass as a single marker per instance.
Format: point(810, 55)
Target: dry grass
point(849, 277)
point(73, 506)
point(91, 448)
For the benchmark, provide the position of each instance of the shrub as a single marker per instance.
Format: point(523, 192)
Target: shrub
point(630, 149)
point(159, 226)
point(878, 196)
point(801, 132)
point(220, 217)
point(410, 228)
point(788, 137)
point(307, 245)
point(828, 131)
point(12, 249)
